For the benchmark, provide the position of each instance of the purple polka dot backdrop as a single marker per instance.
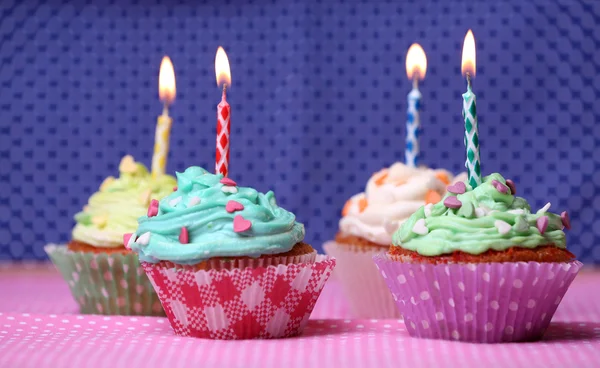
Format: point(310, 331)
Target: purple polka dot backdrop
point(318, 101)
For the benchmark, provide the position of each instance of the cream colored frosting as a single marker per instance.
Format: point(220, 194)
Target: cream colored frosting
point(391, 196)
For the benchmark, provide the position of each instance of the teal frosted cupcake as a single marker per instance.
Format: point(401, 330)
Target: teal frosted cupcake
point(227, 262)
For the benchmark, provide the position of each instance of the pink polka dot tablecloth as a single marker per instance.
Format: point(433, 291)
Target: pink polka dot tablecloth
point(40, 327)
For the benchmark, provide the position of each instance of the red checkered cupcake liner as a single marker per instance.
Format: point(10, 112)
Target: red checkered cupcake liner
point(241, 303)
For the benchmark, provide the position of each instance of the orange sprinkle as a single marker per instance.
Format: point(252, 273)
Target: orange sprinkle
point(432, 197)
point(443, 177)
point(382, 175)
point(362, 204)
point(346, 208)
point(400, 182)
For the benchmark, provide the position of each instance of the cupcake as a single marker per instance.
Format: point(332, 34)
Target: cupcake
point(104, 276)
point(479, 266)
point(227, 262)
point(368, 221)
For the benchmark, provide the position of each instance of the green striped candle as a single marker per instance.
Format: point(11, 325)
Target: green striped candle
point(469, 112)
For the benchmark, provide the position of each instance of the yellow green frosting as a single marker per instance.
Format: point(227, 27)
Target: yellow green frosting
point(115, 208)
point(488, 217)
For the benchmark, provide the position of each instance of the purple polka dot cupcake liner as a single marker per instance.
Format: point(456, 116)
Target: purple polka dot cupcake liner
point(361, 282)
point(482, 303)
point(106, 283)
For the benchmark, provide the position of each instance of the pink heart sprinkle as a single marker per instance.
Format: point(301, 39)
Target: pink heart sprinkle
point(499, 186)
point(233, 206)
point(184, 237)
point(457, 188)
point(566, 221)
point(175, 188)
point(542, 224)
point(452, 202)
point(153, 209)
point(511, 186)
point(240, 224)
point(126, 238)
point(228, 182)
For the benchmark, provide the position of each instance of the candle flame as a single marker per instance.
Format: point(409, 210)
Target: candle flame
point(416, 62)
point(222, 68)
point(468, 55)
point(166, 81)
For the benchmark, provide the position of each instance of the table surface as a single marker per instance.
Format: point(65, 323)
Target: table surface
point(40, 327)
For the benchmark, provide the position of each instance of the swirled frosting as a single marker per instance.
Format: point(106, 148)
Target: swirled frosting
point(198, 221)
point(115, 208)
point(391, 196)
point(489, 217)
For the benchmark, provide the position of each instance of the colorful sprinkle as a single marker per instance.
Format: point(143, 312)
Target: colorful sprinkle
point(184, 237)
point(511, 186)
point(479, 212)
point(144, 239)
point(467, 210)
point(381, 176)
point(432, 197)
point(240, 224)
point(153, 208)
point(362, 204)
point(145, 197)
point(126, 238)
point(193, 201)
point(228, 182)
point(427, 209)
point(230, 190)
point(500, 187)
point(566, 221)
point(443, 177)
point(100, 220)
point(452, 202)
point(175, 201)
point(457, 188)
point(542, 224)
point(175, 188)
point(233, 206)
point(106, 183)
point(544, 209)
point(127, 165)
point(420, 227)
point(502, 226)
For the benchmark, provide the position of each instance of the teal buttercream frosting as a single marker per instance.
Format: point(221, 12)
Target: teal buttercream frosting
point(199, 205)
point(487, 219)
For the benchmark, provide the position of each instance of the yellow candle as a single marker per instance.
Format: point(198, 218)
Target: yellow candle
point(166, 92)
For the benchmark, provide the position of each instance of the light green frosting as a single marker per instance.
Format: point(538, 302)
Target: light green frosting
point(450, 230)
point(115, 208)
point(199, 205)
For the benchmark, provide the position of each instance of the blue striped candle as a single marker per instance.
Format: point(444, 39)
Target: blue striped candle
point(413, 122)
point(416, 67)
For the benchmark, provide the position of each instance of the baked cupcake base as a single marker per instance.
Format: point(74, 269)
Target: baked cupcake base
point(105, 282)
point(245, 299)
point(361, 281)
point(489, 302)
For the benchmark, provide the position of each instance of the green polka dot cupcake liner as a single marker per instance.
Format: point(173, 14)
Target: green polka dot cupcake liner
point(106, 283)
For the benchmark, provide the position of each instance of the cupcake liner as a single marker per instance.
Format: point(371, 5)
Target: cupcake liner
point(484, 303)
point(241, 303)
point(106, 283)
point(361, 281)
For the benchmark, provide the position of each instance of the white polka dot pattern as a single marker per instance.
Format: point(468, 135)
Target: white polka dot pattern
point(485, 303)
point(36, 332)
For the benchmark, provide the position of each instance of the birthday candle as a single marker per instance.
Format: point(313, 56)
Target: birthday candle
point(223, 114)
point(166, 92)
point(416, 67)
point(469, 112)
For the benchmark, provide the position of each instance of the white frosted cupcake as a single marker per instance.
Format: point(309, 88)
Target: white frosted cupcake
point(368, 221)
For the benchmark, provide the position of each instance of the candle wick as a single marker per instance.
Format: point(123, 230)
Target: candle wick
point(416, 83)
point(165, 109)
point(224, 97)
point(468, 80)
